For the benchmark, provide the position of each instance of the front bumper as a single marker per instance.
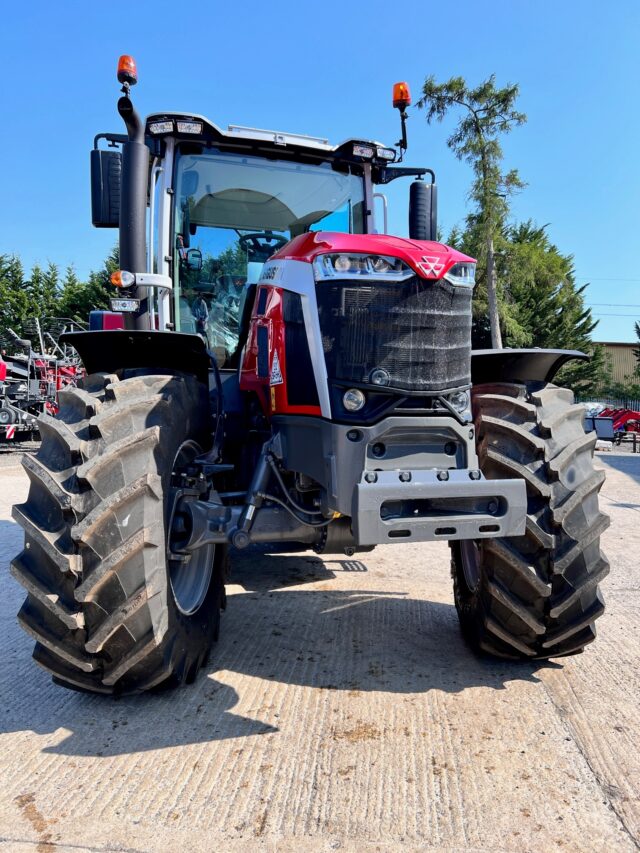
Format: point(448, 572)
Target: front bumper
point(420, 488)
point(416, 506)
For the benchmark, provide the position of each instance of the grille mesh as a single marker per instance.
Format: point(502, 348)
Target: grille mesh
point(418, 331)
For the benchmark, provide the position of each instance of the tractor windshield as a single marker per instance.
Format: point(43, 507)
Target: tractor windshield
point(233, 211)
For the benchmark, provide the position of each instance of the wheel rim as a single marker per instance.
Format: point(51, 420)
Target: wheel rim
point(470, 558)
point(190, 578)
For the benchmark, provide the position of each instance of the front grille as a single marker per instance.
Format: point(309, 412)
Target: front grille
point(418, 331)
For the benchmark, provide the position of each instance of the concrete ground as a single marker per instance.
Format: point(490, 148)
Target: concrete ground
point(340, 710)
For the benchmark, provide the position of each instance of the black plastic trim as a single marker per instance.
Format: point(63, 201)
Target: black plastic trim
point(520, 365)
point(263, 352)
point(390, 173)
point(110, 351)
point(301, 386)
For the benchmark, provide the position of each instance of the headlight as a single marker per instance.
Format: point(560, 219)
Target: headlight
point(361, 267)
point(462, 275)
point(353, 400)
point(460, 400)
point(379, 376)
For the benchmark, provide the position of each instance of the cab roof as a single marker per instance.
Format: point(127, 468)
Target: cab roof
point(273, 141)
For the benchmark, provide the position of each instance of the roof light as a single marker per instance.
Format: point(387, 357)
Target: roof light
point(401, 95)
point(386, 154)
point(189, 126)
point(157, 127)
point(122, 278)
point(127, 71)
point(363, 151)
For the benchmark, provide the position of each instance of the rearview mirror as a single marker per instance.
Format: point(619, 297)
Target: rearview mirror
point(106, 171)
point(194, 260)
point(423, 211)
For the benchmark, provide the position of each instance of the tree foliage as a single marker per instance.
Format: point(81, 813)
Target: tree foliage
point(488, 113)
point(16, 306)
point(77, 298)
point(44, 296)
point(548, 306)
point(536, 302)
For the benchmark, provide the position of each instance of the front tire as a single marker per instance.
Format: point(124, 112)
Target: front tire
point(109, 612)
point(536, 595)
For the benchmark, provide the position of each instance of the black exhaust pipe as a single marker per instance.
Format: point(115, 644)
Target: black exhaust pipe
point(133, 200)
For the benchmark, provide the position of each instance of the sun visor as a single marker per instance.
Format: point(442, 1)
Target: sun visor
point(238, 208)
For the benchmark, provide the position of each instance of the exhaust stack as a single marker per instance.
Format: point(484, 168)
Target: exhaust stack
point(135, 170)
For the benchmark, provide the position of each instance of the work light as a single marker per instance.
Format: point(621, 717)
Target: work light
point(157, 127)
point(353, 400)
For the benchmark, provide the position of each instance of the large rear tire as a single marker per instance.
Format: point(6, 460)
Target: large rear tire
point(536, 595)
point(109, 612)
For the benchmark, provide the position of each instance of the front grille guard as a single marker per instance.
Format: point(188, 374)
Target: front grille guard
point(414, 336)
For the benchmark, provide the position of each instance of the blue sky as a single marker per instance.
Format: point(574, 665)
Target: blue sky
point(327, 69)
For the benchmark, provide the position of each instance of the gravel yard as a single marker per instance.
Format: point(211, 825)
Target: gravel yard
point(340, 710)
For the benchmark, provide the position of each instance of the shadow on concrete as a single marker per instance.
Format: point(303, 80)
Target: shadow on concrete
point(627, 464)
point(258, 570)
point(330, 639)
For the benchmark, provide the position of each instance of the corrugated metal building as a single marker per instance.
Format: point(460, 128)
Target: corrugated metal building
point(621, 358)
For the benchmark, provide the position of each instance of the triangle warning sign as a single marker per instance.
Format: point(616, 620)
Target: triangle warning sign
point(276, 377)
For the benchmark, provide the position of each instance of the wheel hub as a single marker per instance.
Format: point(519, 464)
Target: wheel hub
point(189, 574)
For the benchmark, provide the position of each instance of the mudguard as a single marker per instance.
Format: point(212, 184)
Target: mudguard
point(109, 351)
point(519, 365)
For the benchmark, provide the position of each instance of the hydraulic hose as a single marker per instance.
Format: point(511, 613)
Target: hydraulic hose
point(268, 497)
point(274, 467)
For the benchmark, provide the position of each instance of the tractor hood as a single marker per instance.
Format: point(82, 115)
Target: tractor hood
point(428, 259)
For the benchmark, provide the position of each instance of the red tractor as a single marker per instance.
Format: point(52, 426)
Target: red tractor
point(276, 370)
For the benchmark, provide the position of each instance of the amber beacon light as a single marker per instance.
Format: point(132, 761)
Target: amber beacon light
point(401, 96)
point(127, 71)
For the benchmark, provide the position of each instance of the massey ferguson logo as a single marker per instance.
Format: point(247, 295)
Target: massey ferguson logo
point(431, 267)
point(270, 272)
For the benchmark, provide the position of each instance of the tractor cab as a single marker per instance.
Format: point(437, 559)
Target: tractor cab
point(221, 203)
point(234, 209)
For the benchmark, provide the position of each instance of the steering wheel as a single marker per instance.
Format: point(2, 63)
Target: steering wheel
point(260, 245)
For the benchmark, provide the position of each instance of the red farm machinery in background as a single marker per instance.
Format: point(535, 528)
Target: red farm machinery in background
point(31, 379)
point(624, 420)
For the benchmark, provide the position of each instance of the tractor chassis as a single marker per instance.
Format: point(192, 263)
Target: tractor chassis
point(419, 497)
